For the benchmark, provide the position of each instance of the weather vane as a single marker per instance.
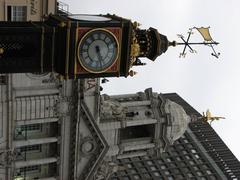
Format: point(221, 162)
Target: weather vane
point(208, 41)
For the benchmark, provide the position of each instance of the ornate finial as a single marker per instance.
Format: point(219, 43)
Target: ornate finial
point(62, 24)
point(207, 41)
point(138, 62)
point(104, 80)
point(136, 24)
point(208, 117)
point(173, 43)
point(1, 50)
point(132, 73)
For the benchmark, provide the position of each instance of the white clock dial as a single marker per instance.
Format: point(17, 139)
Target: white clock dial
point(98, 50)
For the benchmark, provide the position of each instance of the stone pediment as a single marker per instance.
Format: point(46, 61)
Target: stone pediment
point(92, 146)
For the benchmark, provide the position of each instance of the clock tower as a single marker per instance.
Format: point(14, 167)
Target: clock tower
point(78, 46)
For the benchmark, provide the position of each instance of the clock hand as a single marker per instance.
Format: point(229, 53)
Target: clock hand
point(99, 55)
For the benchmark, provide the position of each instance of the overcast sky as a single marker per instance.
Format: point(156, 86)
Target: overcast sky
point(202, 80)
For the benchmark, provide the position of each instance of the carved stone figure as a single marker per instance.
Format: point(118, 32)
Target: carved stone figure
point(112, 109)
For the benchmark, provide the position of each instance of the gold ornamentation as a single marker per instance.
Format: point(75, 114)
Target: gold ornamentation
point(62, 24)
point(1, 50)
point(136, 24)
point(132, 73)
point(208, 117)
point(135, 48)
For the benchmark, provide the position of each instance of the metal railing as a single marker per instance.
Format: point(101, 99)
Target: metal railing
point(62, 8)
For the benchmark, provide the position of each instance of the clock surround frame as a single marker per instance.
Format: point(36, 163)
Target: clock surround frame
point(118, 48)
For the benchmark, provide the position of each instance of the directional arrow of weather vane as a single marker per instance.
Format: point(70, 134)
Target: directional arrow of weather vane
point(207, 41)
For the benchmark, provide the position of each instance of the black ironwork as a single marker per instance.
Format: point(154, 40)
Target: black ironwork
point(63, 8)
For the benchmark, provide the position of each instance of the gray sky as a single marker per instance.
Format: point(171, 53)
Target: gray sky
point(202, 80)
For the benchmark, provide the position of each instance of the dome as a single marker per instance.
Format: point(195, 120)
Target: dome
point(177, 123)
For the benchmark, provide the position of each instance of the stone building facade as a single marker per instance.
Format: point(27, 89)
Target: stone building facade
point(26, 10)
point(29, 130)
point(33, 109)
point(52, 128)
point(64, 129)
point(140, 124)
point(198, 154)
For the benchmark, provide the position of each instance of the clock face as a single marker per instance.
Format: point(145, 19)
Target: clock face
point(98, 50)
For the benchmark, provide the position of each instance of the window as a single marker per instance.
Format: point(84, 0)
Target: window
point(166, 172)
point(129, 165)
point(179, 176)
point(17, 13)
point(178, 158)
point(135, 159)
point(169, 160)
point(175, 171)
point(136, 177)
point(212, 177)
point(186, 169)
point(184, 152)
point(191, 162)
point(180, 147)
point(189, 146)
point(163, 167)
point(182, 164)
point(187, 157)
point(159, 161)
point(22, 131)
point(30, 169)
point(3, 80)
point(139, 164)
point(153, 168)
point(197, 156)
point(208, 172)
point(193, 151)
point(199, 173)
point(205, 166)
point(133, 171)
point(133, 132)
point(31, 127)
point(173, 165)
point(190, 175)
point(195, 168)
point(35, 148)
point(143, 170)
point(149, 162)
point(147, 176)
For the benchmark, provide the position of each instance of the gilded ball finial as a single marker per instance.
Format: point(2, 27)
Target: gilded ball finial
point(1, 50)
point(136, 24)
point(62, 24)
point(132, 73)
